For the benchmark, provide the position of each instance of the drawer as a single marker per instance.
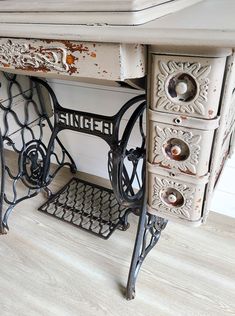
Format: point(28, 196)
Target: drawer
point(182, 146)
point(109, 61)
point(186, 85)
point(180, 197)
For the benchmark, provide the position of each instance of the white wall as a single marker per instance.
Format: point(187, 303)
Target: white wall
point(224, 197)
point(90, 152)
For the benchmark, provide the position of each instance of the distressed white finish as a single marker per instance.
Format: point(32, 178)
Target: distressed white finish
point(195, 145)
point(183, 120)
point(190, 87)
point(202, 79)
point(224, 136)
point(129, 12)
point(22, 56)
point(188, 204)
point(76, 59)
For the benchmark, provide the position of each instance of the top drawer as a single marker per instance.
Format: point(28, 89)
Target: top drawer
point(186, 85)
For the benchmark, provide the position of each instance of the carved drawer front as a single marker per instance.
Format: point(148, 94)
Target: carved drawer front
point(178, 197)
point(186, 85)
point(109, 61)
point(185, 149)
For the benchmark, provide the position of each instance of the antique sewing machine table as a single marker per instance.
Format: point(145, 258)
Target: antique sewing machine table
point(178, 53)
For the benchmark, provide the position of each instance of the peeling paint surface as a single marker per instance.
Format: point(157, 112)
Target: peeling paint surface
point(110, 61)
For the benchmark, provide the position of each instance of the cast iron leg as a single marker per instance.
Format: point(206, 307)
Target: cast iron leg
point(32, 162)
point(124, 225)
point(2, 183)
point(148, 233)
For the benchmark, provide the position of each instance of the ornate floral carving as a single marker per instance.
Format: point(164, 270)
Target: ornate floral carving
point(163, 135)
point(24, 56)
point(187, 193)
point(196, 73)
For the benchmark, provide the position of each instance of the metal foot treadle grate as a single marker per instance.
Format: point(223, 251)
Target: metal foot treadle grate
point(88, 206)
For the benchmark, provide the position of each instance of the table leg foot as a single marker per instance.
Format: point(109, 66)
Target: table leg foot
point(148, 233)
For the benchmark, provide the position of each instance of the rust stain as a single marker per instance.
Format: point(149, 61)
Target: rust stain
point(104, 71)
point(188, 172)
point(184, 117)
point(175, 152)
point(49, 41)
point(75, 47)
point(210, 112)
point(70, 59)
point(32, 69)
point(72, 70)
point(93, 54)
point(161, 165)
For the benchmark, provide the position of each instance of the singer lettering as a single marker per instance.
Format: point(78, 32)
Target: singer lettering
point(85, 123)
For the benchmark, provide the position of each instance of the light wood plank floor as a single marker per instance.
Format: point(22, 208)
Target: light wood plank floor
point(52, 268)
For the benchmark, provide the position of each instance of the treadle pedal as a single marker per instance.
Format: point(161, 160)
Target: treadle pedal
point(88, 206)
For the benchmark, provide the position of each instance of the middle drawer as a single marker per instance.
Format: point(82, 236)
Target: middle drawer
point(180, 143)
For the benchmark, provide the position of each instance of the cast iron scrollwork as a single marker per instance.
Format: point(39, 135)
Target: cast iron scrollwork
point(33, 158)
point(126, 161)
point(22, 131)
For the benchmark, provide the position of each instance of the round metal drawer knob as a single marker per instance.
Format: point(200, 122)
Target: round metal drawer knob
point(176, 150)
point(172, 198)
point(181, 88)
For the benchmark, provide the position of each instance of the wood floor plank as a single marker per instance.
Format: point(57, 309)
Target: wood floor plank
point(52, 268)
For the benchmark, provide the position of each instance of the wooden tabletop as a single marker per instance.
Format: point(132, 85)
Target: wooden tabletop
point(208, 23)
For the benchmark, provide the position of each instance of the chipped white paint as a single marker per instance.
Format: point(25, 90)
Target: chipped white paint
point(24, 56)
point(76, 59)
point(193, 137)
point(171, 158)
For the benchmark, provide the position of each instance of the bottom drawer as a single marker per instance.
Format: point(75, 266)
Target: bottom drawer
point(176, 196)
